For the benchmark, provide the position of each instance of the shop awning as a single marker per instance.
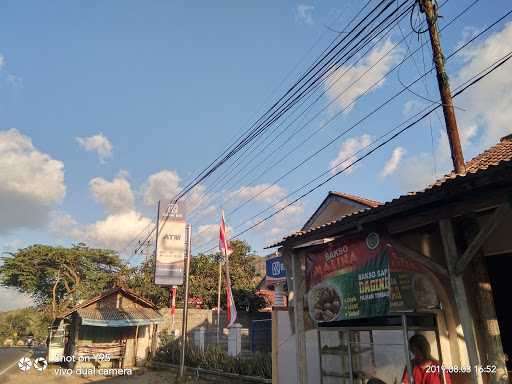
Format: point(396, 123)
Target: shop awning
point(119, 317)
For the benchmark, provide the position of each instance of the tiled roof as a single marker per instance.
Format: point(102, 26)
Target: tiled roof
point(119, 314)
point(494, 156)
point(358, 199)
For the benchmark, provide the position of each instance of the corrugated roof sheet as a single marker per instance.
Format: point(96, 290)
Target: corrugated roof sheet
point(496, 155)
point(119, 314)
point(115, 317)
point(102, 295)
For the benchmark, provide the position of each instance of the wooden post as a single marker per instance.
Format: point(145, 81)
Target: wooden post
point(478, 239)
point(444, 87)
point(275, 346)
point(459, 292)
point(491, 330)
point(494, 354)
point(298, 260)
point(136, 346)
point(287, 260)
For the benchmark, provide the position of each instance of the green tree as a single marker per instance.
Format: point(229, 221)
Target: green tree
point(141, 280)
point(24, 322)
point(204, 279)
point(57, 276)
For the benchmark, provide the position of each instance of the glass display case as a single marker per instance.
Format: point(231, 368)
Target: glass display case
point(354, 351)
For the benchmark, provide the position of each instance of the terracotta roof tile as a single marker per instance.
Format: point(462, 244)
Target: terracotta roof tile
point(358, 199)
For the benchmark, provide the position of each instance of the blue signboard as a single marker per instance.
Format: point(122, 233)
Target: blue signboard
point(275, 270)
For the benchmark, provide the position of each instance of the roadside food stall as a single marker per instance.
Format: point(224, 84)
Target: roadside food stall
point(367, 302)
point(355, 351)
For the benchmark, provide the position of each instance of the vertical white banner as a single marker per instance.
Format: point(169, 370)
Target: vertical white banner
point(170, 244)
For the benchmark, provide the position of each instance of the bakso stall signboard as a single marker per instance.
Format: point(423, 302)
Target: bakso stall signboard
point(363, 276)
point(349, 279)
point(170, 244)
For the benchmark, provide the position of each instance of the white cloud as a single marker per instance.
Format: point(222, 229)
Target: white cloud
point(115, 195)
point(304, 14)
point(266, 193)
point(468, 32)
point(208, 232)
point(412, 107)
point(392, 164)
point(10, 78)
point(417, 172)
point(61, 223)
point(488, 105)
point(32, 183)
point(98, 143)
point(348, 149)
point(486, 116)
point(356, 80)
point(11, 299)
point(161, 185)
point(165, 185)
point(114, 232)
point(271, 195)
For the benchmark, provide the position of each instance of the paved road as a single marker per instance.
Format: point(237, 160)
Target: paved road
point(9, 357)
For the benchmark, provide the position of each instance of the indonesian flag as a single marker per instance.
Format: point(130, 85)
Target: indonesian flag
point(224, 246)
point(226, 250)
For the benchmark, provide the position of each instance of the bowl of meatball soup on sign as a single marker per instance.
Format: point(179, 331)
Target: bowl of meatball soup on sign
point(324, 302)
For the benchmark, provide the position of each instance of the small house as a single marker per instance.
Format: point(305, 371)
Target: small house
point(116, 329)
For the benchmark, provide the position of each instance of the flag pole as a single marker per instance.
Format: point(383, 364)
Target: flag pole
point(219, 287)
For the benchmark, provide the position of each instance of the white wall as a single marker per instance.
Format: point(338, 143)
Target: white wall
point(286, 353)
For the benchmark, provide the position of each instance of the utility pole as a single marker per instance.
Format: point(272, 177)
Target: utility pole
point(430, 11)
point(185, 301)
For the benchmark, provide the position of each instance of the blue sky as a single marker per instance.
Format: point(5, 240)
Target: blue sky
point(107, 106)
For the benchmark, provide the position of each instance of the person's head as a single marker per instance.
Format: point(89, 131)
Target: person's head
point(420, 347)
point(375, 380)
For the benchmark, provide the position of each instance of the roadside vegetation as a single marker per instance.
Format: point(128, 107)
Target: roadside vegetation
point(57, 278)
point(213, 358)
point(17, 325)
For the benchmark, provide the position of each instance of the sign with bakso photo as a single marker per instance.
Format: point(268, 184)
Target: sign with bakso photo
point(363, 276)
point(349, 279)
point(170, 244)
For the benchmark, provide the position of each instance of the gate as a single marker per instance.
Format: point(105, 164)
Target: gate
point(261, 335)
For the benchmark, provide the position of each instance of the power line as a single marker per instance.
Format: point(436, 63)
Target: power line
point(461, 90)
point(358, 47)
point(216, 163)
point(345, 131)
point(292, 99)
point(323, 126)
point(476, 78)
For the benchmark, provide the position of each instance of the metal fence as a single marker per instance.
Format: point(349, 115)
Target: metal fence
point(261, 335)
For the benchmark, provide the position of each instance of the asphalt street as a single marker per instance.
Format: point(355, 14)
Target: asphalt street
point(9, 357)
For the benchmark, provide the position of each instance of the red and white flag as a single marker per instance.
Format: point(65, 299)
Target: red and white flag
point(226, 250)
point(224, 246)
